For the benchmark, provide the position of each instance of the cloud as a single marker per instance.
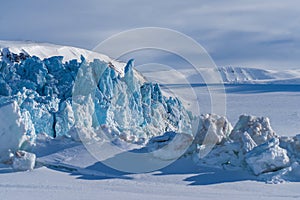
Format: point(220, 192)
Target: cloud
point(234, 32)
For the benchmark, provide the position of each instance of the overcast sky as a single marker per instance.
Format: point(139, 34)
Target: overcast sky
point(254, 33)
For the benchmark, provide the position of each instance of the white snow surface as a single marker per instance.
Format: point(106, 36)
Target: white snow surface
point(70, 172)
point(46, 50)
point(49, 184)
point(232, 169)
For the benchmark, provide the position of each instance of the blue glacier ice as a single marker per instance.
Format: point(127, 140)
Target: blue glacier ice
point(133, 109)
point(45, 91)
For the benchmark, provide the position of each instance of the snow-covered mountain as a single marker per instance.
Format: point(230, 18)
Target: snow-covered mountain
point(254, 75)
point(234, 75)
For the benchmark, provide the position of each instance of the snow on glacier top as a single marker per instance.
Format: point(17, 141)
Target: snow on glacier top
point(46, 50)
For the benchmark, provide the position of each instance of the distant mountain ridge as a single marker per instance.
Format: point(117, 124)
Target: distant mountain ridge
point(19, 50)
point(231, 74)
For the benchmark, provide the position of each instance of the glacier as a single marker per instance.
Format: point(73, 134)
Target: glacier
point(124, 105)
point(74, 99)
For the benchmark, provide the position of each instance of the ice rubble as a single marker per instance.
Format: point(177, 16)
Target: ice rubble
point(76, 99)
point(267, 157)
point(258, 128)
point(15, 134)
point(10, 123)
point(23, 161)
point(211, 129)
point(251, 144)
point(254, 145)
point(170, 146)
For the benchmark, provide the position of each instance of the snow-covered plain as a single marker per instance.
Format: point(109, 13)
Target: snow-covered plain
point(66, 170)
point(181, 180)
point(257, 92)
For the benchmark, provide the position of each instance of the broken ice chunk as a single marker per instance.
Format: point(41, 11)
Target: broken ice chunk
point(267, 157)
point(23, 161)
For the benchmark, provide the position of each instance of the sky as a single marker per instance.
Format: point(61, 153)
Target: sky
point(250, 33)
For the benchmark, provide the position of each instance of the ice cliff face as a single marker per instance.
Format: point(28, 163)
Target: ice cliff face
point(129, 108)
point(125, 106)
